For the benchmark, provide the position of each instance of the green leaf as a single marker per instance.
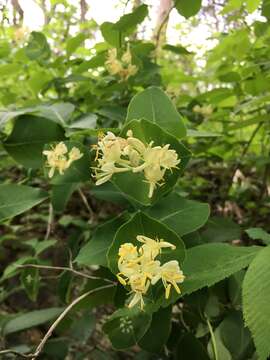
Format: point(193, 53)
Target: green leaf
point(219, 229)
point(235, 336)
point(252, 5)
point(179, 50)
point(94, 252)
point(73, 43)
point(113, 36)
point(181, 215)
point(31, 319)
point(126, 327)
point(158, 332)
point(256, 299)
point(188, 8)
point(30, 281)
point(38, 47)
point(15, 199)
point(259, 234)
point(40, 246)
point(130, 21)
point(133, 185)
point(208, 264)
point(79, 170)
point(28, 137)
point(266, 9)
point(154, 105)
point(61, 194)
point(142, 224)
point(191, 348)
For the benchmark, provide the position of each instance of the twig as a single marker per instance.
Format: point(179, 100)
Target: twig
point(86, 203)
point(48, 334)
point(10, 351)
point(49, 224)
point(46, 267)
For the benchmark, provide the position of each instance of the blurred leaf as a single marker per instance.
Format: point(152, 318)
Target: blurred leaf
point(113, 36)
point(131, 20)
point(259, 234)
point(180, 50)
point(219, 229)
point(15, 199)
point(73, 43)
point(31, 319)
point(38, 47)
point(188, 8)
point(191, 348)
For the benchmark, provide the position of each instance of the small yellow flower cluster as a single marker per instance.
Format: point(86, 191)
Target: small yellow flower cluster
point(60, 159)
point(139, 269)
point(131, 154)
point(124, 67)
point(203, 110)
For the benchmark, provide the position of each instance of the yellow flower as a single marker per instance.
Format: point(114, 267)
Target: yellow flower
point(128, 251)
point(151, 248)
point(170, 274)
point(138, 269)
point(59, 159)
point(116, 154)
point(124, 67)
point(153, 175)
point(74, 154)
point(139, 285)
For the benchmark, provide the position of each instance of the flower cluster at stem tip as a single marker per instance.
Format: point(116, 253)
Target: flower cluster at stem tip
point(123, 67)
point(59, 158)
point(131, 154)
point(139, 269)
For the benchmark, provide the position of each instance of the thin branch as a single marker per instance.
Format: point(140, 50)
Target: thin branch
point(63, 268)
point(50, 222)
point(60, 318)
point(48, 334)
point(86, 203)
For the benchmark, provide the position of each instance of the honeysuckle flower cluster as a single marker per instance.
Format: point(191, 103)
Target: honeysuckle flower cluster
point(116, 155)
point(203, 110)
point(139, 268)
point(123, 67)
point(59, 158)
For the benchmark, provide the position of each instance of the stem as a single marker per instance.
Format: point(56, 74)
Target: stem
point(45, 267)
point(213, 338)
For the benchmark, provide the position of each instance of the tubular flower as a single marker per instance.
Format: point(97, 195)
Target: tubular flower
point(139, 269)
point(116, 154)
point(124, 67)
point(60, 159)
point(170, 274)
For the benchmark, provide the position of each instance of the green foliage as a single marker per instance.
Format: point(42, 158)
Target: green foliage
point(153, 105)
point(256, 301)
point(15, 199)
